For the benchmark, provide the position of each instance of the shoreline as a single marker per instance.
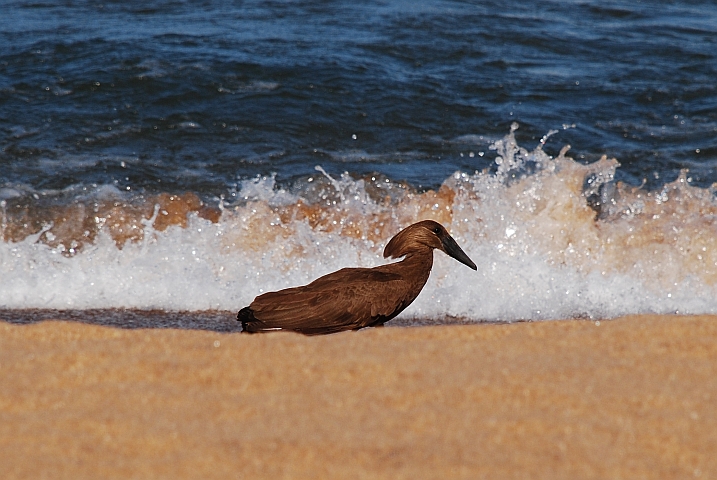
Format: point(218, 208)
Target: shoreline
point(223, 321)
point(630, 398)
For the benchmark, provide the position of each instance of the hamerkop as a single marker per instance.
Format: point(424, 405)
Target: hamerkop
point(354, 298)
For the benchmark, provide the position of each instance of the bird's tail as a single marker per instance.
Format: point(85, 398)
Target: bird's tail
point(247, 319)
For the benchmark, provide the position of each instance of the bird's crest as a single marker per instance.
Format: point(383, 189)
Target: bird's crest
point(418, 236)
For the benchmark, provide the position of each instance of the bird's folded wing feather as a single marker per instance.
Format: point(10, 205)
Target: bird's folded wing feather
point(349, 298)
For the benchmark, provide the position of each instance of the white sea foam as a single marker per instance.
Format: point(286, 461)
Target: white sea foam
point(541, 251)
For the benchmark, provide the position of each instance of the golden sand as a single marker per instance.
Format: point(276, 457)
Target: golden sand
point(631, 398)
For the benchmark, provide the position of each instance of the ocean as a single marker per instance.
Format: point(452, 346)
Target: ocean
point(163, 162)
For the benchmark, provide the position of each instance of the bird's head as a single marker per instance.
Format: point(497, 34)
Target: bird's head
point(422, 235)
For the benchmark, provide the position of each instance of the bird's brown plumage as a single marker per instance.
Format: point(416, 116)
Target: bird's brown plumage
point(354, 298)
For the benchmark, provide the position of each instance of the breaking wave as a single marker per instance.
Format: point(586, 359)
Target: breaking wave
point(552, 238)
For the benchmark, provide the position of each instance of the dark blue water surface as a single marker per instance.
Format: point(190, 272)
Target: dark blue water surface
point(193, 96)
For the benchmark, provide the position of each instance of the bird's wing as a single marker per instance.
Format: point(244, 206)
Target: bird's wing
point(348, 299)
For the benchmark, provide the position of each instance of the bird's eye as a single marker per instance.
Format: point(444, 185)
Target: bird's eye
point(437, 230)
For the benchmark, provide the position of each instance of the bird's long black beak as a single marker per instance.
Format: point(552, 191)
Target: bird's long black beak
point(451, 248)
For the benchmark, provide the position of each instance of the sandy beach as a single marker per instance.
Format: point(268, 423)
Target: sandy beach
point(628, 398)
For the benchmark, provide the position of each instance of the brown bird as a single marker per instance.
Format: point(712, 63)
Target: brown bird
point(354, 298)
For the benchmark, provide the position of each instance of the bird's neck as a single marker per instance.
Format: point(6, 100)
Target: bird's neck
point(418, 265)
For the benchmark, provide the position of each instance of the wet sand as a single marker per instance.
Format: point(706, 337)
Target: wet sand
point(630, 398)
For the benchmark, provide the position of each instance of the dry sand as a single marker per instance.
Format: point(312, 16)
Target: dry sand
point(631, 398)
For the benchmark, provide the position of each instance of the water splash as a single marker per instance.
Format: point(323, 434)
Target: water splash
point(552, 238)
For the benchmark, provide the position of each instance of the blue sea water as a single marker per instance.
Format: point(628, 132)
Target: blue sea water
point(198, 95)
point(108, 109)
